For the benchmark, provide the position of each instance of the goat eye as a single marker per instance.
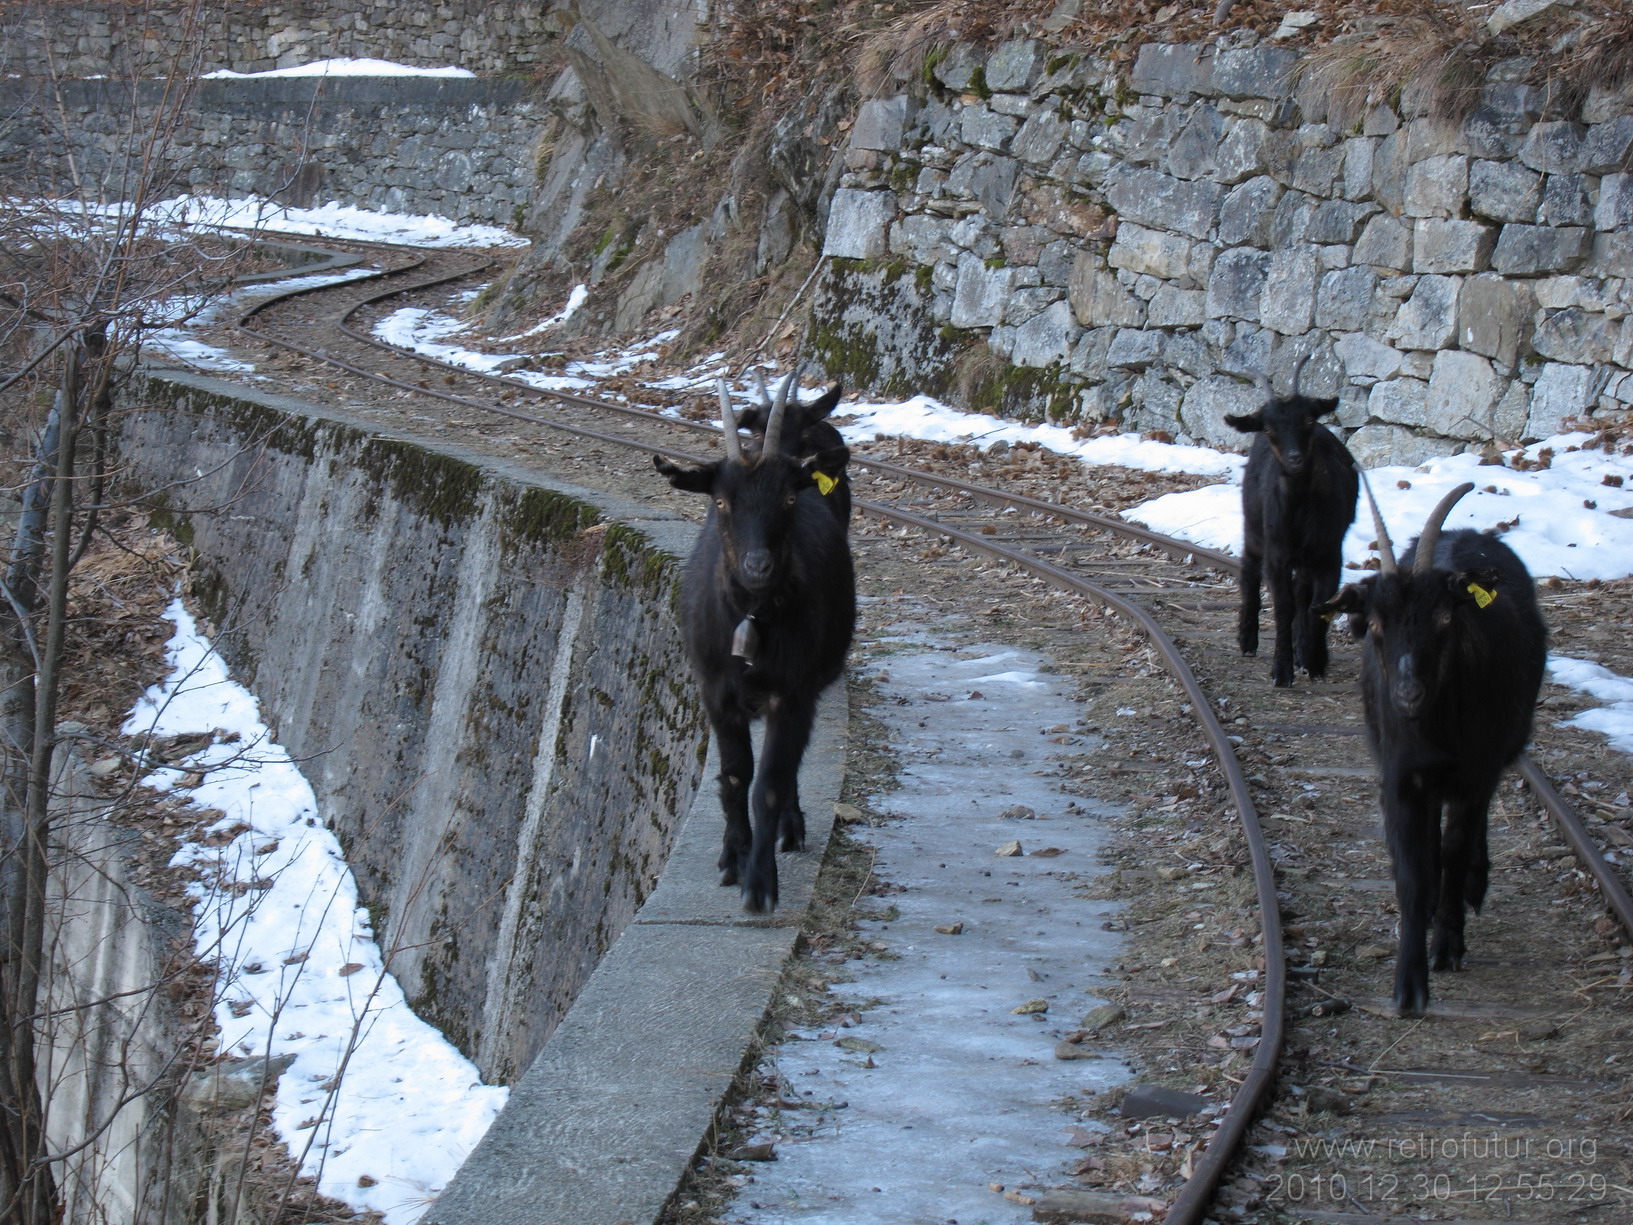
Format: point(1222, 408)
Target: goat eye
point(722, 504)
point(1376, 626)
point(791, 498)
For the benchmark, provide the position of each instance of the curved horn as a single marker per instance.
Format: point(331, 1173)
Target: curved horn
point(1386, 547)
point(1298, 370)
point(1425, 560)
point(759, 383)
point(773, 425)
point(728, 427)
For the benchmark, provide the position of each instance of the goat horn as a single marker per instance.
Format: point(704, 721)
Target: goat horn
point(1430, 537)
point(728, 425)
point(773, 425)
point(1386, 547)
point(1298, 370)
point(759, 382)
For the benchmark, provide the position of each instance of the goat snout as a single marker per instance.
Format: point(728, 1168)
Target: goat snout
point(1406, 690)
point(756, 568)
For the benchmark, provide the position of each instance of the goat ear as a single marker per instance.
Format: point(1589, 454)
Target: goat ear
point(827, 467)
point(1478, 586)
point(1248, 425)
point(1320, 408)
point(687, 480)
point(824, 404)
point(1351, 598)
point(749, 419)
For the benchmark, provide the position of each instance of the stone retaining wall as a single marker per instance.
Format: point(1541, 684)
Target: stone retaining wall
point(1135, 247)
point(83, 40)
point(460, 148)
point(480, 672)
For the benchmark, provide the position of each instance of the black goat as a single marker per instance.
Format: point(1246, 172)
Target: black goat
point(1452, 658)
point(1298, 500)
point(768, 608)
point(806, 432)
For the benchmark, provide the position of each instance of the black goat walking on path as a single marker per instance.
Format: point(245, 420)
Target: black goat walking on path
point(1452, 658)
point(768, 609)
point(1298, 500)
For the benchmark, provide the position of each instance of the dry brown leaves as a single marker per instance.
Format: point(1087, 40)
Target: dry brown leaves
point(116, 635)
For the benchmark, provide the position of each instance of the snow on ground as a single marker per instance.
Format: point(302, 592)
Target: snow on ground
point(426, 331)
point(576, 299)
point(298, 970)
point(179, 314)
point(1560, 516)
point(947, 1087)
point(332, 220)
point(1615, 719)
point(342, 68)
point(933, 421)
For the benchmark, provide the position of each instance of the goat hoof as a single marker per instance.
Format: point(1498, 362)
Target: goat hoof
point(728, 876)
point(1412, 999)
point(792, 828)
point(759, 900)
point(1448, 958)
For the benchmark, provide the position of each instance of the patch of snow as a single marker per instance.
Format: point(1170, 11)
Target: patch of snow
point(1546, 512)
point(341, 68)
point(297, 967)
point(332, 220)
point(1614, 719)
point(175, 344)
point(929, 419)
point(576, 299)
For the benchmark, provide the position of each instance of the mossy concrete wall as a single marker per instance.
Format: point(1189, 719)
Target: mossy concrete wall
point(480, 671)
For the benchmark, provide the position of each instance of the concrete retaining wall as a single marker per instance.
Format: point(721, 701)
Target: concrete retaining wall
point(481, 673)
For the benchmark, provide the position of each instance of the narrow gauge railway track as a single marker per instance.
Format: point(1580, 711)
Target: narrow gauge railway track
point(1315, 768)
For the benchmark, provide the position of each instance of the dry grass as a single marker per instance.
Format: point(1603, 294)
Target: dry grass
point(1433, 59)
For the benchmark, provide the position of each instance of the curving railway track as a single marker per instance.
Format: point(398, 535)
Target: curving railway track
point(1516, 1048)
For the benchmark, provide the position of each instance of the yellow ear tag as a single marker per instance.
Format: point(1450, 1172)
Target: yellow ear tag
point(824, 483)
point(1482, 597)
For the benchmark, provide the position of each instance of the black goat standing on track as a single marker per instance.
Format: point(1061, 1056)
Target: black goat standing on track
point(806, 433)
point(768, 608)
point(1452, 658)
point(1298, 500)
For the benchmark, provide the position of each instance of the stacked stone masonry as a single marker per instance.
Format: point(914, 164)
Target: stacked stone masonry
point(461, 148)
point(1152, 241)
point(87, 40)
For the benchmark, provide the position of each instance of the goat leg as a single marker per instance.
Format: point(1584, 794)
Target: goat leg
point(1281, 600)
point(1465, 866)
point(1247, 619)
point(1412, 822)
point(736, 770)
point(775, 798)
point(1323, 586)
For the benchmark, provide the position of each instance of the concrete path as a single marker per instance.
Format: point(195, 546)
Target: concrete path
point(602, 1127)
